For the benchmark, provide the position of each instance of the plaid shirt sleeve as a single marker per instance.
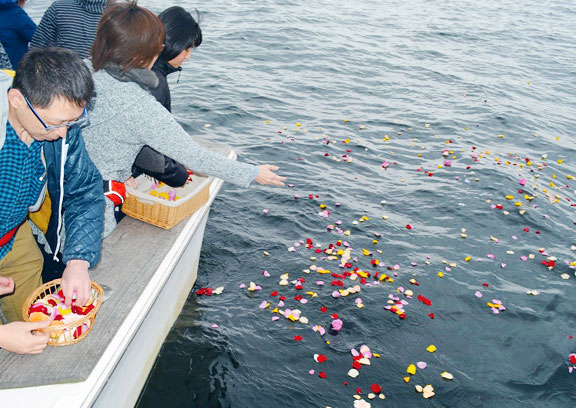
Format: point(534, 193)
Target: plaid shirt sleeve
point(22, 176)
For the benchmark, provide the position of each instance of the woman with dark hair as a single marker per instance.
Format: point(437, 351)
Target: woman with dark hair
point(125, 116)
point(182, 35)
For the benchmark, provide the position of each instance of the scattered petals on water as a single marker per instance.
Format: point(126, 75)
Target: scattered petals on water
point(264, 305)
point(362, 404)
point(376, 388)
point(353, 373)
point(204, 292)
point(337, 324)
point(320, 358)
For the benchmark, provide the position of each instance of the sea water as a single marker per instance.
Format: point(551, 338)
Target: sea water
point(427, 122)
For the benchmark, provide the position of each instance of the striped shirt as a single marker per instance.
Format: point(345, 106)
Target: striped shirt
point(22, 176)
point(69, 24)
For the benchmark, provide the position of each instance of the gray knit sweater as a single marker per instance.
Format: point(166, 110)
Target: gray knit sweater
point(125, 117)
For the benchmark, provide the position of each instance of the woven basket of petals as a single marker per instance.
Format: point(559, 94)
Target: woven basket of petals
point(158, 204)
point(68, 325)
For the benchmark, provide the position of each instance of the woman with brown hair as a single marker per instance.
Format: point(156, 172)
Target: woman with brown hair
point(125, 116)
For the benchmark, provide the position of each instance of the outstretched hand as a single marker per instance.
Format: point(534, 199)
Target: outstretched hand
point(266, 176)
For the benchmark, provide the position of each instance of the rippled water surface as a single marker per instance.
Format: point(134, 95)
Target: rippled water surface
point(347, 86)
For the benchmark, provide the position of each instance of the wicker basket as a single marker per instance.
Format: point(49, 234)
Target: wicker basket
point(72, 332)
point(166, 214)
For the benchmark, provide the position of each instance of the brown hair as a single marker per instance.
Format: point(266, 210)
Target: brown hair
point(128, 35)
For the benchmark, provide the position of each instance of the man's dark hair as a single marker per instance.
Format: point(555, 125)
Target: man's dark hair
point(182, 32)
point(47, 73)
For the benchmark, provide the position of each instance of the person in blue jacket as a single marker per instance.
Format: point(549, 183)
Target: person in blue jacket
point(41, 146)
point(16, 29)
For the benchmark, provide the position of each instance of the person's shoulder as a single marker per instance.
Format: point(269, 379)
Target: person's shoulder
point(63, 5)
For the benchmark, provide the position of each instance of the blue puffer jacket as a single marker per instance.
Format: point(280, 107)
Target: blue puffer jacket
point(82, 202)
point(16, 30)
point(79, 203)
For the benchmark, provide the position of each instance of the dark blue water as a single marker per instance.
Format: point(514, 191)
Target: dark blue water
point(400, 81)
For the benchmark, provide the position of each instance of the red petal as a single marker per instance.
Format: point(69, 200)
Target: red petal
point(297, 338)
point(321, 358)
point(376, 389)
point(322, 374)
point(323, 309)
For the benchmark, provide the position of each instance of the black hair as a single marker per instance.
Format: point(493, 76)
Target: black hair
point(182, 32)
point(47, 73)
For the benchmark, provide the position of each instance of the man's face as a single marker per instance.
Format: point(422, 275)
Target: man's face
point(60, 112)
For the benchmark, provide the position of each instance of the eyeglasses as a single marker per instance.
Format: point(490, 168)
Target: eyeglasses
point(80, 121)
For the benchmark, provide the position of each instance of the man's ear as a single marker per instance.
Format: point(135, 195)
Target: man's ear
point(15, 98)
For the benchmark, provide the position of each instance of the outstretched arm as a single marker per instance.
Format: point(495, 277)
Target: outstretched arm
point(167, 136)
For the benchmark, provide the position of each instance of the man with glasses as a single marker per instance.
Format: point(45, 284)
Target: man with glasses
point(41, 147)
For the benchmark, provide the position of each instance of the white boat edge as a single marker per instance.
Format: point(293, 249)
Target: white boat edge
point(118, 377)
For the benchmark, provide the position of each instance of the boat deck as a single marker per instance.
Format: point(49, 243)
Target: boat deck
point(130, 257)
point(127, 265)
